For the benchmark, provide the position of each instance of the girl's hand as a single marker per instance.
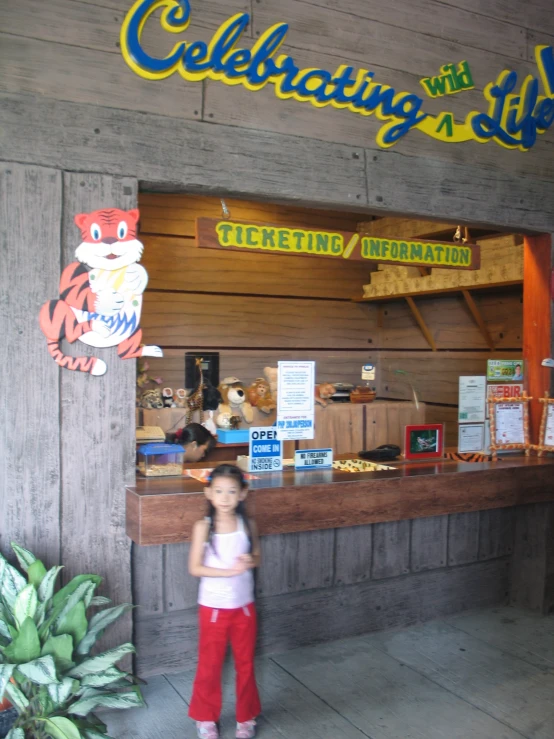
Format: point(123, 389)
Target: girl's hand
point(247, 560)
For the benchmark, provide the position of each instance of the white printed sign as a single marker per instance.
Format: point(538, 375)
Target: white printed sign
point(472, 399)
point(296, 400)
point(265, 450)
point(509, 424)
point(471, 437)
point(313, 459)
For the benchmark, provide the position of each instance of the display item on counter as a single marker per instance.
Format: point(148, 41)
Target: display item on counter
point(167, 398)
point(362, 395)
point(359, 465)
point(152, 399)
point(160, 460)
point(271, 375)
point(323, 393)
point(259, 396)
point(180, 398)
point(234, 402)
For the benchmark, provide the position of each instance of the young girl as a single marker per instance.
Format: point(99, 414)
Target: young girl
point(224, 551)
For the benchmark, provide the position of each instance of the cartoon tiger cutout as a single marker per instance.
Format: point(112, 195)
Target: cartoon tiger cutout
point(100, 294)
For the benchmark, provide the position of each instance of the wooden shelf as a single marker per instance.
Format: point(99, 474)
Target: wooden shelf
point(438, 291)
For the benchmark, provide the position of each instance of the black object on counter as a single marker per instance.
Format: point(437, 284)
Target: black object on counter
point(383, 453)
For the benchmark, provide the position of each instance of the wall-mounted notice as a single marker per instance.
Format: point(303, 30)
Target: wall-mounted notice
point(471, 437)
point(296, 400)
point(472, 399)
point(505, 370)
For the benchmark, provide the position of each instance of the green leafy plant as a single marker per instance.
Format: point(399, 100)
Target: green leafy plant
point(47, 671)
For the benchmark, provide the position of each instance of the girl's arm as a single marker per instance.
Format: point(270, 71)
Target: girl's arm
point(253, 559)
point(196, 555)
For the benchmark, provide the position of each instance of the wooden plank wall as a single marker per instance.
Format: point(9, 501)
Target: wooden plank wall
point(257, 309)
point(62, 490)
point(343, 581)
point(215, 138)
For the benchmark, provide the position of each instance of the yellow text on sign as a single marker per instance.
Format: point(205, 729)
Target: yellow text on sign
point(279, 239)
point(418, 252)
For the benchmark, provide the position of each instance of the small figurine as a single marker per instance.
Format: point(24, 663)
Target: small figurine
point(211, 398)
point(259, 395)
point(167, 398)
point(323, 393)
point(180, 398)
point(272, 375)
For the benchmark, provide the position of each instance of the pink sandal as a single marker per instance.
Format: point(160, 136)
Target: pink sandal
point(246, 730)
point(207, 730)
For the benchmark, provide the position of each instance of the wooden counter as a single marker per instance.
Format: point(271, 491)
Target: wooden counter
point(162, 511)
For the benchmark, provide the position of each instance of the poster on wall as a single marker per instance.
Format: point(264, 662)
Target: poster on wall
point(505, 370)
point(472, 399)
point(100, 294)
point(296, 400)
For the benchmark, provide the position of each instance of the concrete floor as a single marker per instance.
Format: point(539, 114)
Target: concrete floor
point(487, 674)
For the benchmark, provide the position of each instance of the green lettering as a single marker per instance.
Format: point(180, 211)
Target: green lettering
point(416, 252)
point(403, 250)
point(374, 247)
point(298, 235)
point(465, 256)
point(438, 251)
point(455, 254)
point(283, 239)
point(268, 237)
point(238, 231)
point(336, 244)
point(223, 231)
point(249, 238)
point(384, 248)
point(429, 256)
point(446, 121)
point(322, 242)
point(394, 249)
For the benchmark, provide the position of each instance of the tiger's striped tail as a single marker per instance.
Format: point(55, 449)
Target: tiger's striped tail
point(57, 320)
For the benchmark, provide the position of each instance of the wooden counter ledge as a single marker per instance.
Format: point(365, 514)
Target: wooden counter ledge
point(162, 511)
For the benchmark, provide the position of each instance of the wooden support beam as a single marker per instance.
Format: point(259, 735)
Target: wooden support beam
point(421, 323)
point(478, 318)
point(537, 267)
point(424, 271)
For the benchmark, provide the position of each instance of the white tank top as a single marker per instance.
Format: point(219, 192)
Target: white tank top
point(227, 592)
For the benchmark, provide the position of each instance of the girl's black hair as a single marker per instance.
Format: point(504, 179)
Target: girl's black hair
point(195, 432)
point(232, 472)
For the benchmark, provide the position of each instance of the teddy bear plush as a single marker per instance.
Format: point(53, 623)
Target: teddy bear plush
point(271, 375)
point(259, 396)
point(323, 393)
point(234, 401)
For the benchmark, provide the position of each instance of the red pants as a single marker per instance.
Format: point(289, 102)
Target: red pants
point(217, 629)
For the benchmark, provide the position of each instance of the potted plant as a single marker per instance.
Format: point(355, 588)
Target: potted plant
point(47, 671)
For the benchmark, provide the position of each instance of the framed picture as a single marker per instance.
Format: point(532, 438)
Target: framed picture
point(509, 424)
point(424, 442)
point(546, 434)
